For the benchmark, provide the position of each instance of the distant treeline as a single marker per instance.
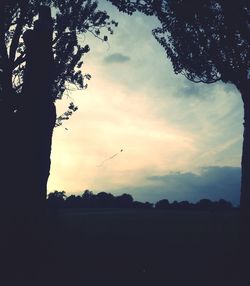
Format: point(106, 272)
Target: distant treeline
point(59, 199)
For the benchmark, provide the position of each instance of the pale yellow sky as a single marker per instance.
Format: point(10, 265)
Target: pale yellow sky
point(135, 102)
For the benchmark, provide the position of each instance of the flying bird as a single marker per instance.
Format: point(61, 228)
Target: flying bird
point(110, 158)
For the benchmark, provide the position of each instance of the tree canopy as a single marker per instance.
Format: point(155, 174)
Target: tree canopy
point(70, 19)
point(59, 199)
point(206, 40)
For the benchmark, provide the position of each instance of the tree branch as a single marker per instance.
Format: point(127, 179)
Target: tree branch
point(6, 78)
point(14, 18)
point(200, 80)
point(21, 59)
point(98, 37)
point(16, 37)
point(59, 37)
point(3, 49)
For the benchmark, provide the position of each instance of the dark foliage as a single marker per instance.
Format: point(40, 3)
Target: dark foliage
point(41, 58)
point(162, 204)
point(207, 41)
point(58, 199)
point(203, 204)
point(70, 20)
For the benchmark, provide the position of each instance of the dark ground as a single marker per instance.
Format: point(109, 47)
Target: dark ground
point(130, 247)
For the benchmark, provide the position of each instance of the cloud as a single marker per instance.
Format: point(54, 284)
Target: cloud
point(212, 183)
point(198, 90)
point(187, 88)
point(116, 58)
point(163, 121)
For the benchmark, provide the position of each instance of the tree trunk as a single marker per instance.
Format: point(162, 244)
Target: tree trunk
point(245, 187)
point(38, 114)
point(245, 162)
point(25, 148)
point(26, 156)
point(27, 130)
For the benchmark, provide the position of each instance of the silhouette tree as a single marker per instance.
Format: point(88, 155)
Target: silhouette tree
point(56, 199)
point(74, 201)
point(40, 60)
point(207, 41)
point(87, 194)
point(162, 204)
point(88, 199)
point(224, 205)
point(205, 204)
point(124, 201)
point(104, 199)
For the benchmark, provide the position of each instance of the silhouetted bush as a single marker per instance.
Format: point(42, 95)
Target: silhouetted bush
point(104, 200)
point(73, 202)
point(140, 205)
point(224, 205)
point(88, 199)
point(162, 204)
point(205, 204)
point(58, 199)
point(185, 205)
point(124, 201)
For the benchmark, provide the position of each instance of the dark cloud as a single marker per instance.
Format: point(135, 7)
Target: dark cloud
point(213, 183)
point(116, 58)
point(199, 90)
point(202, 90)
point(228, 87)
point(190, 89)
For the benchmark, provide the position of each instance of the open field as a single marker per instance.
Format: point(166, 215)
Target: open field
point(138, 247)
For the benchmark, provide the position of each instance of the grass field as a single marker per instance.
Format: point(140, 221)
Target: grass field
point(138, 247)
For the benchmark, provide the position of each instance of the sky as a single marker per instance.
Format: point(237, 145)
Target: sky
point(180, 140)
